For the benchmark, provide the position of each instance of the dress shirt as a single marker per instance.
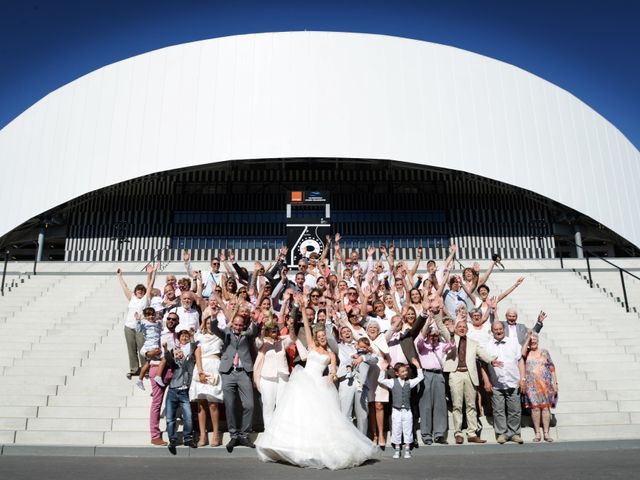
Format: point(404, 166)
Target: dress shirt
point(431, 358)
point(395, 348)
point(508, 351)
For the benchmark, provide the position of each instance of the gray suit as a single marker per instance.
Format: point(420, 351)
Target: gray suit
point(521, 330)
point(351, 397)
point(236, 381)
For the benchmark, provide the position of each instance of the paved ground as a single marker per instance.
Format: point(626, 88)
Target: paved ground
point(577, 460)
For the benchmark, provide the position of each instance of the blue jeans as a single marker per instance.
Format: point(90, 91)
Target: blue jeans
point(177, 398)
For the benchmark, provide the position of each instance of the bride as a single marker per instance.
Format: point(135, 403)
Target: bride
point(308, 429)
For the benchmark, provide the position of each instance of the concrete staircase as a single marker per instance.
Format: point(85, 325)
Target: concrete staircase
point(595, 346)
point(63, 364)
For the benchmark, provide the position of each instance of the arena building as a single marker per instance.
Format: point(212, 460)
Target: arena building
point(200, 146)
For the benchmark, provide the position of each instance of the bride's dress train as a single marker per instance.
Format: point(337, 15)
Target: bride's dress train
point(308, 429)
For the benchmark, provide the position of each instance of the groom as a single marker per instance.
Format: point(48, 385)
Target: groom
point(236, 369)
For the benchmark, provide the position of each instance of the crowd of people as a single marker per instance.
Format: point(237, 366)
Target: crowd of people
point(399, 350)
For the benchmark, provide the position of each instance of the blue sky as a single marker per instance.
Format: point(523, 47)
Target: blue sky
point(590, 48)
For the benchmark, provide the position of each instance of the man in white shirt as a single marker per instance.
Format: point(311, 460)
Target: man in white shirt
point(189, 316)
point(209, 278)
point(309, 278)
point(379, 314)
point(503, 383)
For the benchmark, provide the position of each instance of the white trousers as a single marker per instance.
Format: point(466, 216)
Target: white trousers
point(271, 390)
point(401, 424)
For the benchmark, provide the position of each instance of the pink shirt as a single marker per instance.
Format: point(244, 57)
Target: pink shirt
point(431, 358)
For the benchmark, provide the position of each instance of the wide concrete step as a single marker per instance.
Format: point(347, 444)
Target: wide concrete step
point(15, 382)
point(79, 412)
point(599, 418)
point(84, 400)
point(26, 400)
point(40, 437)
point(623, 394)
point(587, 406)
point(70, 424)
point(597, 432)
point(17, 423)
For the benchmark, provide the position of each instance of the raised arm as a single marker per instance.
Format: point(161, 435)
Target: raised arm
point(186, 258)
point(444, 282)
point(151, 278)
point(123, 284)
point(300, 300)
point(270, 273)
point(227, 265)
point(453, 248)
point(483, 278)
point(506, 293)
point(242, 275)
point(416, 264)
point(444, 332)
point(540, 323)
point(325, 250)
point(383, 380)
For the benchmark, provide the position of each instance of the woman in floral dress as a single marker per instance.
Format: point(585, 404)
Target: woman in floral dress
point(539, 386)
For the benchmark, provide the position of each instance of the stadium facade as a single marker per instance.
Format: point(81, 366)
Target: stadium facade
point(199, 146)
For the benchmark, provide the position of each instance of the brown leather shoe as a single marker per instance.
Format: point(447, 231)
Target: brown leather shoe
point(158, 442)
point(459, 439)
point(475, 439)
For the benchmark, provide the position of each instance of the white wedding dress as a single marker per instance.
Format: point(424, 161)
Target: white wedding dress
point(308, 429)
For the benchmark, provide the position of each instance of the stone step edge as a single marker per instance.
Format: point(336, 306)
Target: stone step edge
point(244, 452)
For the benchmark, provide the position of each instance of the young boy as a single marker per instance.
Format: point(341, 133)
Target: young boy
point(361, 371)
point(401, 417)
point(181, 360)
point(152, 330)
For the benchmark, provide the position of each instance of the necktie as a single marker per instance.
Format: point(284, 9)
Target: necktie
point(236, 357)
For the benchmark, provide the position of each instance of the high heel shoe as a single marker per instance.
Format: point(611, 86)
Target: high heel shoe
point(216, 441)
point(547, 437)
point(537, 437)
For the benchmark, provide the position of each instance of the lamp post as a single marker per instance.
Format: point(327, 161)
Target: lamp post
point(120, 234)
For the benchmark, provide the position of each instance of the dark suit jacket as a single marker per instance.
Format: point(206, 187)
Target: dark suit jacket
point(407, 345)
point(243, 344)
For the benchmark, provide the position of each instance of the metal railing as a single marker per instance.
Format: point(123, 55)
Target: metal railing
point(588, 253)
point(159, 257)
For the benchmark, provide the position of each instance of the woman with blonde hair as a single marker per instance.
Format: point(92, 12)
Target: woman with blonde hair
point(270, 370)
point(539, 385)
point(206, 387)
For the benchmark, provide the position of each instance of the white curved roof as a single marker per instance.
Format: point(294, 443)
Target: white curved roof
point(317, 94)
